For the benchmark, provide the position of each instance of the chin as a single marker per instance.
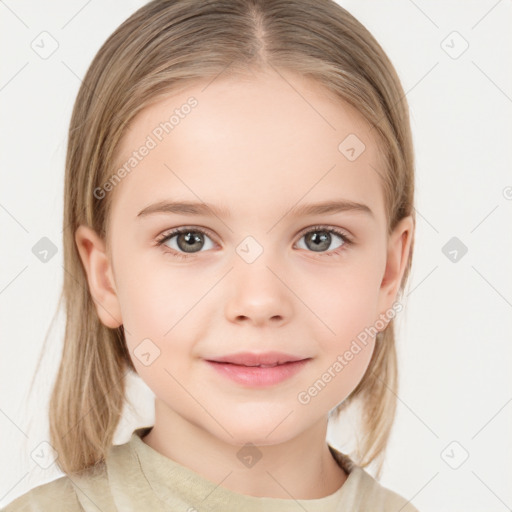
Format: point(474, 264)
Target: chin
point(260, 431)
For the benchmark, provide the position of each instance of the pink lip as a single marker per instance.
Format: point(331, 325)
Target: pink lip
point(242, 368)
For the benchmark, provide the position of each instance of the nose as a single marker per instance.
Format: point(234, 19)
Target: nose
point(257, 294)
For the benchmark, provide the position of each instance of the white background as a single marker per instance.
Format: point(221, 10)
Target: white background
point(454, 341)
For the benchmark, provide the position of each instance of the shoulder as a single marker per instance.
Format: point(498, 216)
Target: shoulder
point(89, 489)
point(75, 492)
point(378, 497)
point(364, 492)
point(58, 496)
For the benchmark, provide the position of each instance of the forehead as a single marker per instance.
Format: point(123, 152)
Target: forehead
point(235, 141)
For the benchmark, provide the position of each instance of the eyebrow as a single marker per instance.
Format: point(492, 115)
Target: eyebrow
point(195, 208)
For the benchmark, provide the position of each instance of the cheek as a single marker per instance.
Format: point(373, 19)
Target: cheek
point(154, 293)
point(345, 336)
point(353, 322)
point(345, 302)
point(353, 307)
point(160, 303)
point(344, 296)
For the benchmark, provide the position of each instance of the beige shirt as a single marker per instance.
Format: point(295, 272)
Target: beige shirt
point(135, 477)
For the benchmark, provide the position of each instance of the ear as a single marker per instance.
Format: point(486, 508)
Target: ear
point(399, 246)
point(100, 278)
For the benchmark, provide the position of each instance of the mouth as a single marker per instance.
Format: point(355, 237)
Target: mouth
point(263, 359)
point(258, 370)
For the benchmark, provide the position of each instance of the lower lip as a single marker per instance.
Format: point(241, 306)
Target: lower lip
point(255, 376)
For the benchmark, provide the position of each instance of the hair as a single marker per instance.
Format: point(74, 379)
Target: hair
point(164, 46)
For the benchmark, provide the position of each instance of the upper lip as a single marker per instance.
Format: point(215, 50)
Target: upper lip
point(257, 359)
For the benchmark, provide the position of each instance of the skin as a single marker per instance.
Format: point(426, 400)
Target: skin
point(258, 147)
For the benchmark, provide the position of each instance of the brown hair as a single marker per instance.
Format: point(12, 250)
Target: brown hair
point(163, 47)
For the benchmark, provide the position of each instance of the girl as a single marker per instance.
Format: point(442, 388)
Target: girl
point(238, 231)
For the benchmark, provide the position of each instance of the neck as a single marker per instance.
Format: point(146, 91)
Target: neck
point(298, 468)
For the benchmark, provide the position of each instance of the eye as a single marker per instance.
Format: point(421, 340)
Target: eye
point(184, 240)
point(320, 238)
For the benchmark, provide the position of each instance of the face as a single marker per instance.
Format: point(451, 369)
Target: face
point(255, 271)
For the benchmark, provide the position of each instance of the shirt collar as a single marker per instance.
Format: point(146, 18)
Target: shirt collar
point(177, 485)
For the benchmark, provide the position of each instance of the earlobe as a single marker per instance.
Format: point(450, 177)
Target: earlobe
point(399, 246)
point(91, 248)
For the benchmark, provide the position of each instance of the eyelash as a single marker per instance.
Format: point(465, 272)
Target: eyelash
point(178, 231)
